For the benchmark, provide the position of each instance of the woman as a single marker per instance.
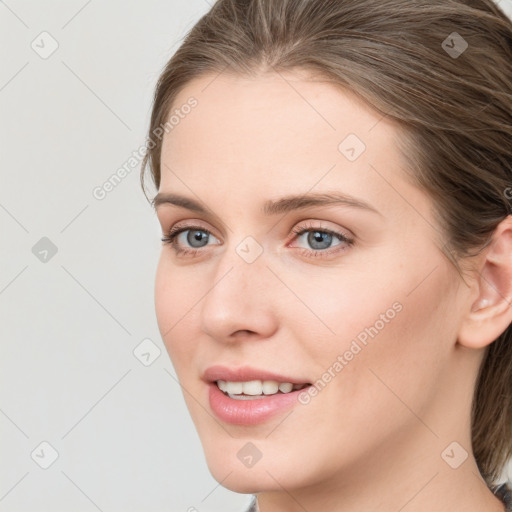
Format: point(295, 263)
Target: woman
point(335, 284)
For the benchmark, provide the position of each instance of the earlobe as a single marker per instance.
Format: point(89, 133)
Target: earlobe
point(490, 313)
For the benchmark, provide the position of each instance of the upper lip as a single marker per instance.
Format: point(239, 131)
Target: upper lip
point(246, 373)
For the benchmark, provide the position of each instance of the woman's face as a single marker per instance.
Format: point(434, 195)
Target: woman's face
point(364, 303)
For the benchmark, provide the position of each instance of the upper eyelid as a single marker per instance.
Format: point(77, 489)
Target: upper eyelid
point(340, 232)
point(347, 240)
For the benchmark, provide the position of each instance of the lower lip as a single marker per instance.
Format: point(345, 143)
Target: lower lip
point(249, 412)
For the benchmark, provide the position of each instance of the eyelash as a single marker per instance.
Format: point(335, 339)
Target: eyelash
point(298, 231)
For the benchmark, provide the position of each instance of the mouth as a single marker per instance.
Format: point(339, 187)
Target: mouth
point(257, 389)
point(250, 396)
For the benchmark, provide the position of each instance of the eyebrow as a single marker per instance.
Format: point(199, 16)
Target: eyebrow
point(282, 205)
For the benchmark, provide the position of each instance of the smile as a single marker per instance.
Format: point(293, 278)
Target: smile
point(256, 389)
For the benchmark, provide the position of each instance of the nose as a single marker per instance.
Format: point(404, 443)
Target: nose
point(240, 301)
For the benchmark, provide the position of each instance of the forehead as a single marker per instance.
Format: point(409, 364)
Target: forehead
point(239, 110)
point(278, 133)
point(242, 112)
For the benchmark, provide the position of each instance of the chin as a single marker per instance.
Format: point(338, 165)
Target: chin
point(270, 473)
point(245, 481)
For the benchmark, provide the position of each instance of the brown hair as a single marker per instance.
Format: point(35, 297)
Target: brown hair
point(409, 62)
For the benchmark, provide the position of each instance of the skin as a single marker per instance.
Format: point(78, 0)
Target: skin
point(372, 439)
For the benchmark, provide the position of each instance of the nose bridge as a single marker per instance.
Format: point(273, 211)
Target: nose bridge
point(239, 298)
point(241, 269)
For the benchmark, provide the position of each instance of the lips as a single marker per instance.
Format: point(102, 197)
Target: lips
point(251, 410)
point(247, 373)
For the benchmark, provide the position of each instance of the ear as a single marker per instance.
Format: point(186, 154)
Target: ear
point(491, 313)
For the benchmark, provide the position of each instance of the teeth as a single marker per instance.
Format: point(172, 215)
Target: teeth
point(285, 387)
point(252, 387)
point(270, 387)
point(257, 387)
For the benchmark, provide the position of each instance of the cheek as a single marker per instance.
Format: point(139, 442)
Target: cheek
point(373, 326)
point(394, 355)
point(388, 304)
point(174, 303)
point(164, 300)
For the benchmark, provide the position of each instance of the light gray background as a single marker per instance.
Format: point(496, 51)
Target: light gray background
point(70, 324)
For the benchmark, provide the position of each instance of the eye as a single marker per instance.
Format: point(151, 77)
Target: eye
point(197, 237)
point(321, 239)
